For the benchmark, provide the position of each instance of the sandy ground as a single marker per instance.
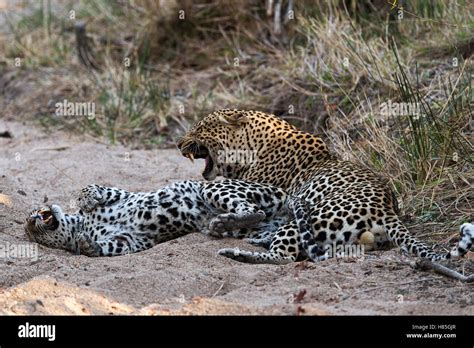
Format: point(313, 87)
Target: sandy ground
point(184, 276)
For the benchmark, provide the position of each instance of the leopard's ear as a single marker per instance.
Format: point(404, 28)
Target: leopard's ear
point(232, 117)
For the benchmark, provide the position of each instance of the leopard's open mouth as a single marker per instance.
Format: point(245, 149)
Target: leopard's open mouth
point(46, 215)
point(41, 219)
point(193, 150)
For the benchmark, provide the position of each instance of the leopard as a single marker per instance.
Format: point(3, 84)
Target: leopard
point(113, 222)
point(336, 202)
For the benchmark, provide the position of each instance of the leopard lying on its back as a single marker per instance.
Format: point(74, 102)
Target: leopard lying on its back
point(112, 221)
point(338, 202)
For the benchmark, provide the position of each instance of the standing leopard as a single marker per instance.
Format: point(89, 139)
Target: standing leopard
point(339, 202)
point(113, 221)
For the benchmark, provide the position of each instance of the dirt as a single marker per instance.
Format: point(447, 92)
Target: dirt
point(183, 276)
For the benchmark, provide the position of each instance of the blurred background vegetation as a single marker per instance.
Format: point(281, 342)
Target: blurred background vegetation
point(155, 67)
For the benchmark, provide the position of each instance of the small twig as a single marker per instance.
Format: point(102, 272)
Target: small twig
point(59, 148)
point(269, 8)
point(220, 288)
point(277, 18)
point(63, 173)
point(96, 139)
point(426, 265)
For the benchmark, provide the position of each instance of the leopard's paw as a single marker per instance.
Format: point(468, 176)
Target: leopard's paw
point(89, 198)
point(235, 254)
point(231, 221)
point(87, 246)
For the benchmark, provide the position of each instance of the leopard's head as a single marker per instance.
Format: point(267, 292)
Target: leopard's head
point(250, 145)
point(210, 138)
point(45, 226)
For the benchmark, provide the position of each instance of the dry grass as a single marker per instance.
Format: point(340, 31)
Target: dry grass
point(330, 71)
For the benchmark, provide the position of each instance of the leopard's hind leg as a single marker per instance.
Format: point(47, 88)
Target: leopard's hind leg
point(286, 241)
point(284, 248)
point(262, 235)
point(263, 239)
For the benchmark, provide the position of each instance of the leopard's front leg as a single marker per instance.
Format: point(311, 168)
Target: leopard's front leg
point(227, 222)
point(245, 204)
point(94, 195)
point(116, 244)
point(86, 246)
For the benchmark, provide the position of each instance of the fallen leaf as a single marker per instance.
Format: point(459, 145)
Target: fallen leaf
point(5, 200)
point(299, 296)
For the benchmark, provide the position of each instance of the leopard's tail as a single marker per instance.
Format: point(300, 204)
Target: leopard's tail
point(401, 237)
point(301, 213)
point(466, 242)
point(396, 232)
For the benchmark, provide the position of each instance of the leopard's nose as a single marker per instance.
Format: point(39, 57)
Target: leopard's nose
point(35, 216)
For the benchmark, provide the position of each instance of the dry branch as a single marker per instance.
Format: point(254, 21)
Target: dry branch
point(426, 265)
